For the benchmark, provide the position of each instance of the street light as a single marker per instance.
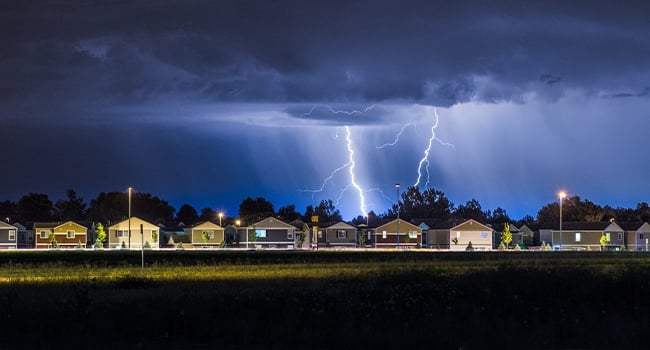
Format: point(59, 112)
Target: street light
point(220, 216)
point(561, 194)
point(397, 186)
point(130, 189)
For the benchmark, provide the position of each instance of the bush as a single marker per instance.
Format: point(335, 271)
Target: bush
point(469, 248)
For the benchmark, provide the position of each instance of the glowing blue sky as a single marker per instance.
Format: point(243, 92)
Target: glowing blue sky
point(207, 103)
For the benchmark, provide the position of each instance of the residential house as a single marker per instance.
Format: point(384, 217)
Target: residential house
point(269, 233)
point(205, 234)
point(456, 234)
point(585, 235)
point(25, 237)
point(368, 233)
point(8, 236)
point(398, 234)
point(69, 234)
point(527, 235)
point(142, 232)
point(637, 235)
point(340, 234)
point(173, 231)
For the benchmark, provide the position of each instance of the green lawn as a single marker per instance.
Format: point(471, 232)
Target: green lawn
point(295, 299)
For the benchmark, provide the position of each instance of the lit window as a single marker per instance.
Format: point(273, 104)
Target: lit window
point(383, 235)
point(577, 236)
point(458, 234)
point(341, 234)
point(70, 234)
point(608, 237)
point(484, 235)
point(413, 234)
point(260, 233)
point(12, 235)
point(289, 234)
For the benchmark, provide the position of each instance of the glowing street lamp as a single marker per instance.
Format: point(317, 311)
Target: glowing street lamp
point(561, 194)
point(130, 189)
point(220, 216)
point(397, 186)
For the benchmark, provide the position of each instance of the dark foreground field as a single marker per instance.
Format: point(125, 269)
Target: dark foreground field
point(324, 300)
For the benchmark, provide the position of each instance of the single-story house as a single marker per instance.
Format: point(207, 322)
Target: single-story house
point(456, 235)
point(269, 233)
point(141, 233)
point(339, 234)
point(637, 235)
point(8, 236)
point(585, 235)
point(398, 234)
point(206, 234)
point(60, 235)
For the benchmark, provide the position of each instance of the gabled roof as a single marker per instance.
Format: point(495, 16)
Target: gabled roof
point(633, 226)
point(272, 222)
point(52, 225)
point(206, 224)
point(402, 222)
point(135, 221)
point(437, 224)
point(591, 226)
point(341, 225)
point(6, 225)
point(471, 224)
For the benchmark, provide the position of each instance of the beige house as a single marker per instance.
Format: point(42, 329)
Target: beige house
point(585, 236)
point(398, 233)
point(141, 233)
point(205, 234)
point(60, 235)
point(456, 235)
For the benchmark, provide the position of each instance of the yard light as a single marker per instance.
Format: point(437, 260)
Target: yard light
point(220, 216)
point(561, 194)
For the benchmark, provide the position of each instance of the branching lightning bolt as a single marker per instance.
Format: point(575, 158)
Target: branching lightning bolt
point(350, 164)
point(396, 138)
point(425, 158)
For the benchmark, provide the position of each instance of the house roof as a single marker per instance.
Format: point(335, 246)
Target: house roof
point(630, 225)
point(55, 224)
point(587, 226)
point(6, 225)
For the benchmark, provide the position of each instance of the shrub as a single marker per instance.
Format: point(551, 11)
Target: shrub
point(469, 248)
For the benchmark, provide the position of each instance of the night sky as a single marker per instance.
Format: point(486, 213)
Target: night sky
point(209, 102)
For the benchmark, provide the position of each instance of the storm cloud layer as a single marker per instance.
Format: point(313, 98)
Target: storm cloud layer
point(226, 83)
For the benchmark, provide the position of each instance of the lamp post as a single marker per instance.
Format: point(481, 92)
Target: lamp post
point(220, 216)
point(397, 186)
point(130, 189)
point(562, 194)
point(237, 225)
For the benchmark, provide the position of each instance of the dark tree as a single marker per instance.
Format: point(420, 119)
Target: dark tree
point(326, 212)
point(642, 212)
point(187, 215)
point(208, 214)
point(8, 211)
point(109, 207)
point(288, 213)
point(471, 210)
point(498, 217)
point(252, 210)
point(34, 207)
point(73, 208)
point(414, 204)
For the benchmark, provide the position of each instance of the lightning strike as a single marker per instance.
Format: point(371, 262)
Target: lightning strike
point(425, 158)
point(350, 165)
point(396, 138)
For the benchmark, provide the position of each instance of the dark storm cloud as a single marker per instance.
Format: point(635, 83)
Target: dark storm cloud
point(75, 54)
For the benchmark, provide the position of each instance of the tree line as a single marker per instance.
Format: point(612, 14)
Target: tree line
point(414, 204)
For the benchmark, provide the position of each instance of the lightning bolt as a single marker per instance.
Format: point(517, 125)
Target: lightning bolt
point(350, 165)
point(396, 138)
point(425, 158)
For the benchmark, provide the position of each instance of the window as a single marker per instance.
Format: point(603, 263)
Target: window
point(12, 235)
point(260, 233)
point(458, 234)
point(70, 234)
point(620, 236)
point(383, 235)
point(413, 234)
point(290, 234)
point(641, 236)
point(608, 237)
point(122, 233)
point(210, 234)
point(44, 234)
point(320, 234)
point(341, 234)
point(484, 235)
point(577, 236)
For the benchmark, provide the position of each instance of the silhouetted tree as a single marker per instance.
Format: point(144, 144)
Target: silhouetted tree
point(187, 214)
point(73, 208)
point(497, 217)
point(471, 210)
point(34, 207)
point(8, 210)
point(431, 203)
point(114, 206)
point(326, 212)
point(288, 213)
point(208, 214)
point(252, 210)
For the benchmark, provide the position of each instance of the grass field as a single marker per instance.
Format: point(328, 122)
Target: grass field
point(307, 300)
